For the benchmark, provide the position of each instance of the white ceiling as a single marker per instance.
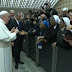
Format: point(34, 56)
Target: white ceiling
point(25, 3)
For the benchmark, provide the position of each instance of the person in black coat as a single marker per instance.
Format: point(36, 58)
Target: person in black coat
point(68, 37)
point(18, 42)
point(43, 33)
point(48, 10)
point(28, 25)
point(10, 23)
point(54, 28)
point(16, 23)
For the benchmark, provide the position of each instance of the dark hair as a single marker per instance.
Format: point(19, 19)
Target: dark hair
point(54, 12)
point(46, 4)
point(42, 7)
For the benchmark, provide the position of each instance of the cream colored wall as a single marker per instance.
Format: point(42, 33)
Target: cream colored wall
point(63, 3)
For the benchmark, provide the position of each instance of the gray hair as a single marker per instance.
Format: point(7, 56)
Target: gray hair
point(12, 11)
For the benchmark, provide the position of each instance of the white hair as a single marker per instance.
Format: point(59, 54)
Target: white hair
point(3, 13)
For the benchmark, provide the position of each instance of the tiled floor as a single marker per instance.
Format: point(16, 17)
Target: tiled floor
point(29, 66)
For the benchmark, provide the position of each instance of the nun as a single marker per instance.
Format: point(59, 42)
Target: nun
point(64, 49)
point(6, 37)
point(54, 22)
point(44, 45)
point(65, 22)
point(68, 37)
point(42, 35)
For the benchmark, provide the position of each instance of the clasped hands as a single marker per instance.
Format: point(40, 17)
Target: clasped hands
point(40, 38)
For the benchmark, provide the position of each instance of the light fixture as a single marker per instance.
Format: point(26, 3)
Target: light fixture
point(25, 3)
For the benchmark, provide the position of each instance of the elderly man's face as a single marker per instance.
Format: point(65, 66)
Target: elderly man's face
point(18, 17)
point(12, 14)
point(6, 18)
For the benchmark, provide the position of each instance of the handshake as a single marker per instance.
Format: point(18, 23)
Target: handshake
point(23, 33)
point(16, 30)
point(39, 39)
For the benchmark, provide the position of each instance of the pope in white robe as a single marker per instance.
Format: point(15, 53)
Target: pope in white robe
point(5, 44)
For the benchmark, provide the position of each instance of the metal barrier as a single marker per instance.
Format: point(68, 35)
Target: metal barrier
point(37, 56)
point(56, 59)
point(26, 43)
point(30, 46)
point(64, 60)
point(51, 57)
point(45, 57)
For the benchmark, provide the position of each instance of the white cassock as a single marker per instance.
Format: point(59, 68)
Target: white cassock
point(5, 47)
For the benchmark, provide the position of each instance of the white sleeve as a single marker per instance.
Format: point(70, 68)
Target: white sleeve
point(6, 35)
point(11, 37)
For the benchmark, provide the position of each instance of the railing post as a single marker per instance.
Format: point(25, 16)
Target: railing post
point(54, 59)
point(37, 54)
point(27, 45)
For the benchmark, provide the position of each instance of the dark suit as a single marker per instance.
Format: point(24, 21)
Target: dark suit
point(12, 23)
point(28, 25)
point(18, 41)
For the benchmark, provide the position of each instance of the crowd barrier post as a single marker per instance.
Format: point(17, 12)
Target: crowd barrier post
point(27, 45)
point(54, 59)
point(37, 54)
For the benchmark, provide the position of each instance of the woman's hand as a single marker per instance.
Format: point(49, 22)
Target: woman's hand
point(69, 27)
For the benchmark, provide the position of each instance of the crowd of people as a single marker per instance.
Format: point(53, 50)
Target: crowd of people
point(47, 24)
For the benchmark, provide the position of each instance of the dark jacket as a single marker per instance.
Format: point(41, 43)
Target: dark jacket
point(61, 42)
point(46, 32)
point(54, 33)
point(48, 13)
point(28, 25)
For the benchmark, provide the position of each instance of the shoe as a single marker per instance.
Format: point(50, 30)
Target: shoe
point(21, 62)
point(16, 66)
